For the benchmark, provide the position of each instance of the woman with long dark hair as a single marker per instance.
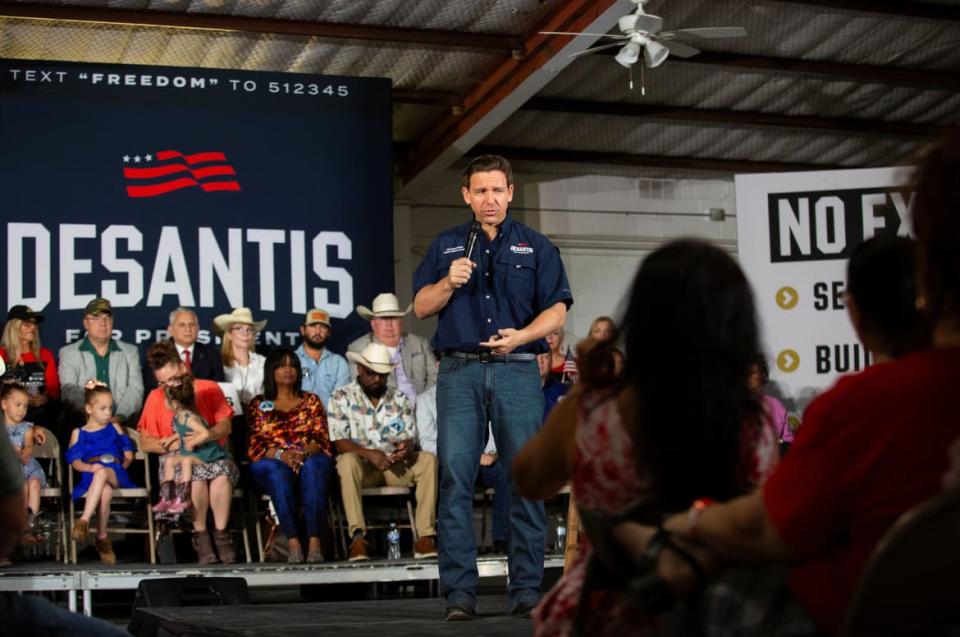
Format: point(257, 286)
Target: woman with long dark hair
point(290, 449)
point(678, 424)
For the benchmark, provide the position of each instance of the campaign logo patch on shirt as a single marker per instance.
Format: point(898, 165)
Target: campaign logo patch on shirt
point(454, 249)
point(522, 248)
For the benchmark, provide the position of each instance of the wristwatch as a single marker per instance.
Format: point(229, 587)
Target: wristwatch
point(277, 454)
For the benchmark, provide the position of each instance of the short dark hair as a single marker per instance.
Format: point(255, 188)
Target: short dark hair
point(486, 164)
point(161, 354)
point(881, 279)
point(274, 360)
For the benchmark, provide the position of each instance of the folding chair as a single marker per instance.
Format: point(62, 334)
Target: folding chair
point(406, 493)
point(125, 502)
point(911, 584)
point(49, 455)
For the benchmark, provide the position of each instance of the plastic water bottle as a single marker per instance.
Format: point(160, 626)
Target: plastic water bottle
point(561, 545)
point(393, 542)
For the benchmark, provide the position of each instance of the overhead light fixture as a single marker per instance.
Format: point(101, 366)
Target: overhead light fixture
point(628, 55)
point(654, 53)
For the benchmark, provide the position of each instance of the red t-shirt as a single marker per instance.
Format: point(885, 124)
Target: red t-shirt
point(869, 449)
point(156, 420)
point(51, 380)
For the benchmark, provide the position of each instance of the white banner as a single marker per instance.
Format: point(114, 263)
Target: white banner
point(795, 232)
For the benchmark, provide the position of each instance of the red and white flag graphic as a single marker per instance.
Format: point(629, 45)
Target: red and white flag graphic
point(170, 170)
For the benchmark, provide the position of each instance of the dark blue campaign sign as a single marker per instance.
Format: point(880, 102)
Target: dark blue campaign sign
point(159, 187)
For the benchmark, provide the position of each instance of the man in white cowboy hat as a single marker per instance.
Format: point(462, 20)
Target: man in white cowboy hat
point(202, 359)
point(415, 367)
point(323, 370)
point(372, 427)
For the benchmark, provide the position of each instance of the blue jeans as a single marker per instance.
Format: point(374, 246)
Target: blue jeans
point(29, 615)
point(469, 395)
point(279, 482)
point(495, 477)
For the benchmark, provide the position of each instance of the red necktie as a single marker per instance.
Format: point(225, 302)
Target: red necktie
point(186, 358)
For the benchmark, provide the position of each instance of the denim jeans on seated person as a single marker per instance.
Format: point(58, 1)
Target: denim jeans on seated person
point(469, 395)
point(278, 481)
point(30, 615)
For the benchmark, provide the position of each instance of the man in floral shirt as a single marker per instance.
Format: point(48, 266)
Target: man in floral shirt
point(372, 427)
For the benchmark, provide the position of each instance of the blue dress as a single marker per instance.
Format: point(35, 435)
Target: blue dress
point(91, 444)
point(32, 469)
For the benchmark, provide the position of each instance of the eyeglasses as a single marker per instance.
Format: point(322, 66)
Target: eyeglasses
point(243, 329)
point(100, 318)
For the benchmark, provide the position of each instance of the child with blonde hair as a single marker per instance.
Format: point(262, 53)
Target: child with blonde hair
point(101, 451)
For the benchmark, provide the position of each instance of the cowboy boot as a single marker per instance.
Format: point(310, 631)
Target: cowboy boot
point(167, 488)
point(204, 548)
point(181, 503)
point(105, 548)
point(224, 546)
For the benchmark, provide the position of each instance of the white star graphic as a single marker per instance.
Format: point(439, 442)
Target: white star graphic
point(126, 159)
point(149, 158)
point(136, 159)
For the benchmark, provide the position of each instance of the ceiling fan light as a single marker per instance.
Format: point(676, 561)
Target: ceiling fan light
point(654, 54)
point(628, 55)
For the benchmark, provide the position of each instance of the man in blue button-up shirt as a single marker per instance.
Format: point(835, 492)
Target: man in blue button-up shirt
point(323, 371)
point(495, 306)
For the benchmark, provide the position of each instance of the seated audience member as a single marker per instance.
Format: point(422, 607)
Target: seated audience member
point(201, 359)
point(213, 482)
point(101, 451)
point(31, 364)
point(291, 451)
point(645, 438)
point(242, 366)
point(175, 494)
point(98, 355)
point(553, 389)
point(871, 447)
point(323, 371)
point(414, 365)
point(29, 614)
point(372, 427)
point(491, 475)
point(14, 401)
point(773, 409)
point(604, 330)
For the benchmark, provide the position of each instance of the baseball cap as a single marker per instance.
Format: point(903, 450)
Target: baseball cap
point(24, 313)
point(317, 316)
point(98, 305)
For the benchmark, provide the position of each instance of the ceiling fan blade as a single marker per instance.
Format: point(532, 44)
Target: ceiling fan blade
point(713, 32)
point(648, 23)
point(595, 49)
point(597, 35)
point(679, 49)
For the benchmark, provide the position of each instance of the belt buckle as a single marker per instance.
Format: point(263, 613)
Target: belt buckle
point(108, 458)
point(485, 357)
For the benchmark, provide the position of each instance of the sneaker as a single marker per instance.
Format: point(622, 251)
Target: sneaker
point(523, 610)
point(426, 547)
point(162, 506)
point(358, 549)
point(459, 613)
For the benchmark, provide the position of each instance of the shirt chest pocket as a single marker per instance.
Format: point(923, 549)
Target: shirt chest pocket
point(520, 269)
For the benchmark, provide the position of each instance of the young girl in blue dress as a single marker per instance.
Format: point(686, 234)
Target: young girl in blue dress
point(101, 452)
point(15, 400)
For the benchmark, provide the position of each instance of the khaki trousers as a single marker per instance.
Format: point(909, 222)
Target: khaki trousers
point(356, 474)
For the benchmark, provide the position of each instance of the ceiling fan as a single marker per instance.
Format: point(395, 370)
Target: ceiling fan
point(641, 34)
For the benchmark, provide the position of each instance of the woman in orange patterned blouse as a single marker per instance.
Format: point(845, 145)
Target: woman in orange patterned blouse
point(290, 444)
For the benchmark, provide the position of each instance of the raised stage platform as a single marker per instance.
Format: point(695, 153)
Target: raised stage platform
point(85, 579)
point(380, 618)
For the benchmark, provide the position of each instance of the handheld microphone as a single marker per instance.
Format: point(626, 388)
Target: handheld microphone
point(472, 239)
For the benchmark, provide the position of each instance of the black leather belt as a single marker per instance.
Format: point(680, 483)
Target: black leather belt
point(490, 357)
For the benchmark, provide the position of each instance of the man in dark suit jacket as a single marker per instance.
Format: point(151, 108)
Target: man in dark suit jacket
point(203, 360)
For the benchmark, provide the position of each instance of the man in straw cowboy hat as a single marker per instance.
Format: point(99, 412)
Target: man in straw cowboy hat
point(415, 367)
point(372, 427)
point(323, 370)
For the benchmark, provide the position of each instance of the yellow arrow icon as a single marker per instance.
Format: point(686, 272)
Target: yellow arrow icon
point(787, 297)
point(788, 361)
